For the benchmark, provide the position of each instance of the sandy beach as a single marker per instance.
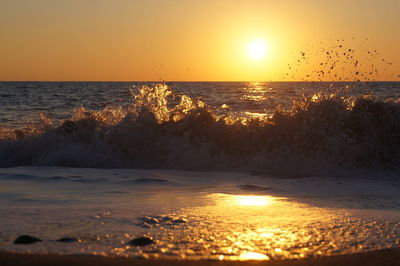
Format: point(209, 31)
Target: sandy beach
point(381, 257)
point(182, 212)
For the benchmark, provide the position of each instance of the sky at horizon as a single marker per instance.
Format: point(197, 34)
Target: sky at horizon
point(177, 40)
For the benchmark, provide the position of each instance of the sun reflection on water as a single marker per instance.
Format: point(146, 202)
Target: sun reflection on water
point(252, 256)
point(256, 91)
point(255, 227)
point(243, 200)
point(252, 200)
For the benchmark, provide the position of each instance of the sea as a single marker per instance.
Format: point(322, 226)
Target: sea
point(21, 102)
point(201, 170)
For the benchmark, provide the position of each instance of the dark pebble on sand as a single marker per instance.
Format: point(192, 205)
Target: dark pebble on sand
point(141, 241)
point(25, 239)
point(67, 240)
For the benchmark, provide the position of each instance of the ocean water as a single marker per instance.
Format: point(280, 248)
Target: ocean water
point(201, 125)
point(22, 102)
point(208, 170)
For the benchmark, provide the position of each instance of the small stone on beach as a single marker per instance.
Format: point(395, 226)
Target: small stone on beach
point(25, 239)
point(141, 241)
point(67, 240)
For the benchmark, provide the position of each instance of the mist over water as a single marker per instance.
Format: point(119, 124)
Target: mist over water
point(311, 127)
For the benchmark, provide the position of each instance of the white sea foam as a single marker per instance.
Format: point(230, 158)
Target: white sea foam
point(161, 129)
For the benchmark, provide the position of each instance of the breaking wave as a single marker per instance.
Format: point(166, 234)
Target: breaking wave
point(161, 129)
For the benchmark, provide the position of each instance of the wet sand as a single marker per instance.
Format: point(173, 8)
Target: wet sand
point(374, 258)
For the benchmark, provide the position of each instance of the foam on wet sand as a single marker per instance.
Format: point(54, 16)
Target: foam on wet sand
point(196, 215)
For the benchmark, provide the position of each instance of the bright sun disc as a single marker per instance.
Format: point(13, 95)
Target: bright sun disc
point(257, 49)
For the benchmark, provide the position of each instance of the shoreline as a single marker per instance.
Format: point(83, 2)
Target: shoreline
point(379, 257)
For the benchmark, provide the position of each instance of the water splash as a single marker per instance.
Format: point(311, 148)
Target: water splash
point(339, 60)
point(167, 130)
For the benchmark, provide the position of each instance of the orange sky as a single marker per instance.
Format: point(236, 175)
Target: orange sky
point(198, 40)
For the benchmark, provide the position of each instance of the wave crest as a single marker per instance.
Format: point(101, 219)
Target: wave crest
point(161, 129)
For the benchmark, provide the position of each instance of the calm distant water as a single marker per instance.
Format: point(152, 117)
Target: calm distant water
point(21, 102)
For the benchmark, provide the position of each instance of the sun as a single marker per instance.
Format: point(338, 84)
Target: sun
point(257, 49)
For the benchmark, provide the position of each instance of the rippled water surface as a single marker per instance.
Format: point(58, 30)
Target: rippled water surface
point(21, 102)
point(195, 215)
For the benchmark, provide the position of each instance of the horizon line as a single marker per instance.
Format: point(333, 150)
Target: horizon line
point(196, 81)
